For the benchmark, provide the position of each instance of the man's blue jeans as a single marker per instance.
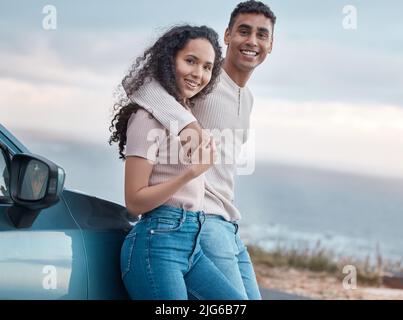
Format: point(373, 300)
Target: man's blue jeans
point(221, 243)
point(161, 258)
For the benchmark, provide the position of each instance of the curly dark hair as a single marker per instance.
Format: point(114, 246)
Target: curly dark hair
point(251, 6)
point(158, 62)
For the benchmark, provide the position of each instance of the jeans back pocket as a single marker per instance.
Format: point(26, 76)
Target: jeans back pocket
point(127, 253)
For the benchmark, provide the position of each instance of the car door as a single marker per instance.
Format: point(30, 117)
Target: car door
point(46, 260)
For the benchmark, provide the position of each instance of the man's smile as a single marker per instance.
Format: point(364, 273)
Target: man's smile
point(249, 53)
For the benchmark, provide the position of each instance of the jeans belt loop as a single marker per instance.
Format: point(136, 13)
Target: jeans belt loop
point(236, 226)
point(203, 215)
point(183, 215)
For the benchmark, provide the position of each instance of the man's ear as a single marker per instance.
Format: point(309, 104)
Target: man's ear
point(271, 45)
point(226, 37)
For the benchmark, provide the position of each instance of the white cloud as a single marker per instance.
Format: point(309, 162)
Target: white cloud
point(41, 89)
point(313, 70)
point(71, 111)
point(338, 136)
point(75, 59)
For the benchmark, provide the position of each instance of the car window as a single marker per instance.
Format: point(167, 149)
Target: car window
point(4, 177)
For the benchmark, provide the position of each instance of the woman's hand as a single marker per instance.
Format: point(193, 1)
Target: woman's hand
point(203, 157)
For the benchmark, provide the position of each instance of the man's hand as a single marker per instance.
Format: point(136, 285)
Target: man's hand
point(203, 158)
point(192, 136)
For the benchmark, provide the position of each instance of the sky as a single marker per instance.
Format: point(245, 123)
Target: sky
point(327, 96)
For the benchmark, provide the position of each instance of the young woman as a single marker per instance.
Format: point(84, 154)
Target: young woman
point(161, 257)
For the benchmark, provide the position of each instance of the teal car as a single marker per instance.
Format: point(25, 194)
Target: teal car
point(54, 243)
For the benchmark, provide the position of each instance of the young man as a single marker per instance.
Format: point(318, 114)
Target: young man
point(249, 39)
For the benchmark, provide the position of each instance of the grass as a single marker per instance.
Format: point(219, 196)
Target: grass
point(318, 259)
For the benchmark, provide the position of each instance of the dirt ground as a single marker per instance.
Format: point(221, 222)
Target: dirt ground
point(318, 285)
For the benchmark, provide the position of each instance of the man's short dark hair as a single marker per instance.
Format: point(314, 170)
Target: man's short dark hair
point(251, 6)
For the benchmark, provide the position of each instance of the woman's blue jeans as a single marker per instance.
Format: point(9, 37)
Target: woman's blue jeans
point(161, 258)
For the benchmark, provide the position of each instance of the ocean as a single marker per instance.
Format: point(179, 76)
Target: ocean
point(281, 205)
point(300, 207)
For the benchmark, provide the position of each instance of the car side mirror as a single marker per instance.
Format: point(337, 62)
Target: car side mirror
point(35, 184)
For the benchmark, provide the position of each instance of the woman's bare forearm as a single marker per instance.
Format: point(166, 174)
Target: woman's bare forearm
point(150, 197)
